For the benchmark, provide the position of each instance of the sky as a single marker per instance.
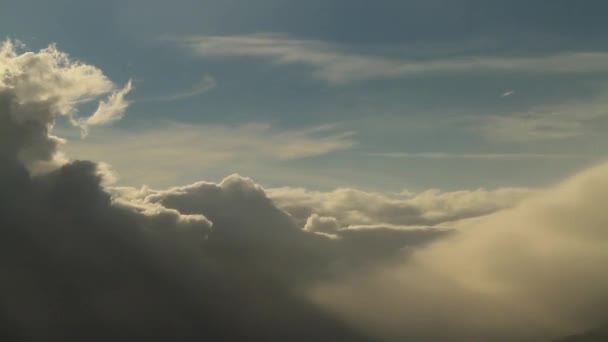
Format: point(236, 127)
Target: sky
point(410, 94)
point(345, 170)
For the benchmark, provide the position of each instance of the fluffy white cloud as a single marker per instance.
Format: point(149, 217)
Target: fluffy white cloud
point(322, 224)
point(50, 76)
point(335, 65)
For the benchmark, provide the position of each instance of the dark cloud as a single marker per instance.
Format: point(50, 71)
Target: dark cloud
point(79, 263)
point(77, 266)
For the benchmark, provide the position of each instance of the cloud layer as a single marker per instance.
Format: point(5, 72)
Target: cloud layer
point(531, 273)
point(85, 260)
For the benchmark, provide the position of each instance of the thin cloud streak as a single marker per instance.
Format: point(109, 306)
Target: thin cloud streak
point(477, 156)
point(508, 93)
point(334, 65)
point(205, 85)
point(172, 146)
point(547, 122)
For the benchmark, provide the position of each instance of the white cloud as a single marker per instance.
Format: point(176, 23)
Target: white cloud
point(111, 109)
point(321, 224)
point(51, 76)
point(335, 65)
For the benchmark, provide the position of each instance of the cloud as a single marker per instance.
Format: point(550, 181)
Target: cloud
point(206, 84)
point(352, 207)
point(112, 109)
point(52, 77)
point(170, 147)
point(261, 229)
point(545, 123)
point(83, 259)
point(530, 273)
point(335, 65)
point(477, 156)
point(508, 93)
point(321, 224)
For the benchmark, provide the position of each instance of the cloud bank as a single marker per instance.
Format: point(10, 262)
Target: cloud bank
point(530, 273)
point(84, 260)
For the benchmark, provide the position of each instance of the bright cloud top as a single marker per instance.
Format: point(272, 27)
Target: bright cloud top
point(50, 75)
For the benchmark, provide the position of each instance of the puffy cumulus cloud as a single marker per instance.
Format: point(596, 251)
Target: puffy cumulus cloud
point(51, 77)
point(530, 273)
point(427, 208)
point(249, 226)
point(321, 224)
point(336, 65)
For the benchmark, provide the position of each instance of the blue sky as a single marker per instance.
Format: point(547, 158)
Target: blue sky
point(381, 95)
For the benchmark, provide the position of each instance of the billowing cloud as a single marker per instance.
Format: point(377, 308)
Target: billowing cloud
point(82, 259)
point(202, 262)
point(322, 224)
point(336, 65)
point(530, 273)
point(52, 77)
point(428, 208)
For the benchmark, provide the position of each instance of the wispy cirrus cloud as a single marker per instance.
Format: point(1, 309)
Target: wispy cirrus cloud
point(335, 65)
point(206, 84)
point(170, 147)
point(508, 93)
point(545, 123)
point(477, 156)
